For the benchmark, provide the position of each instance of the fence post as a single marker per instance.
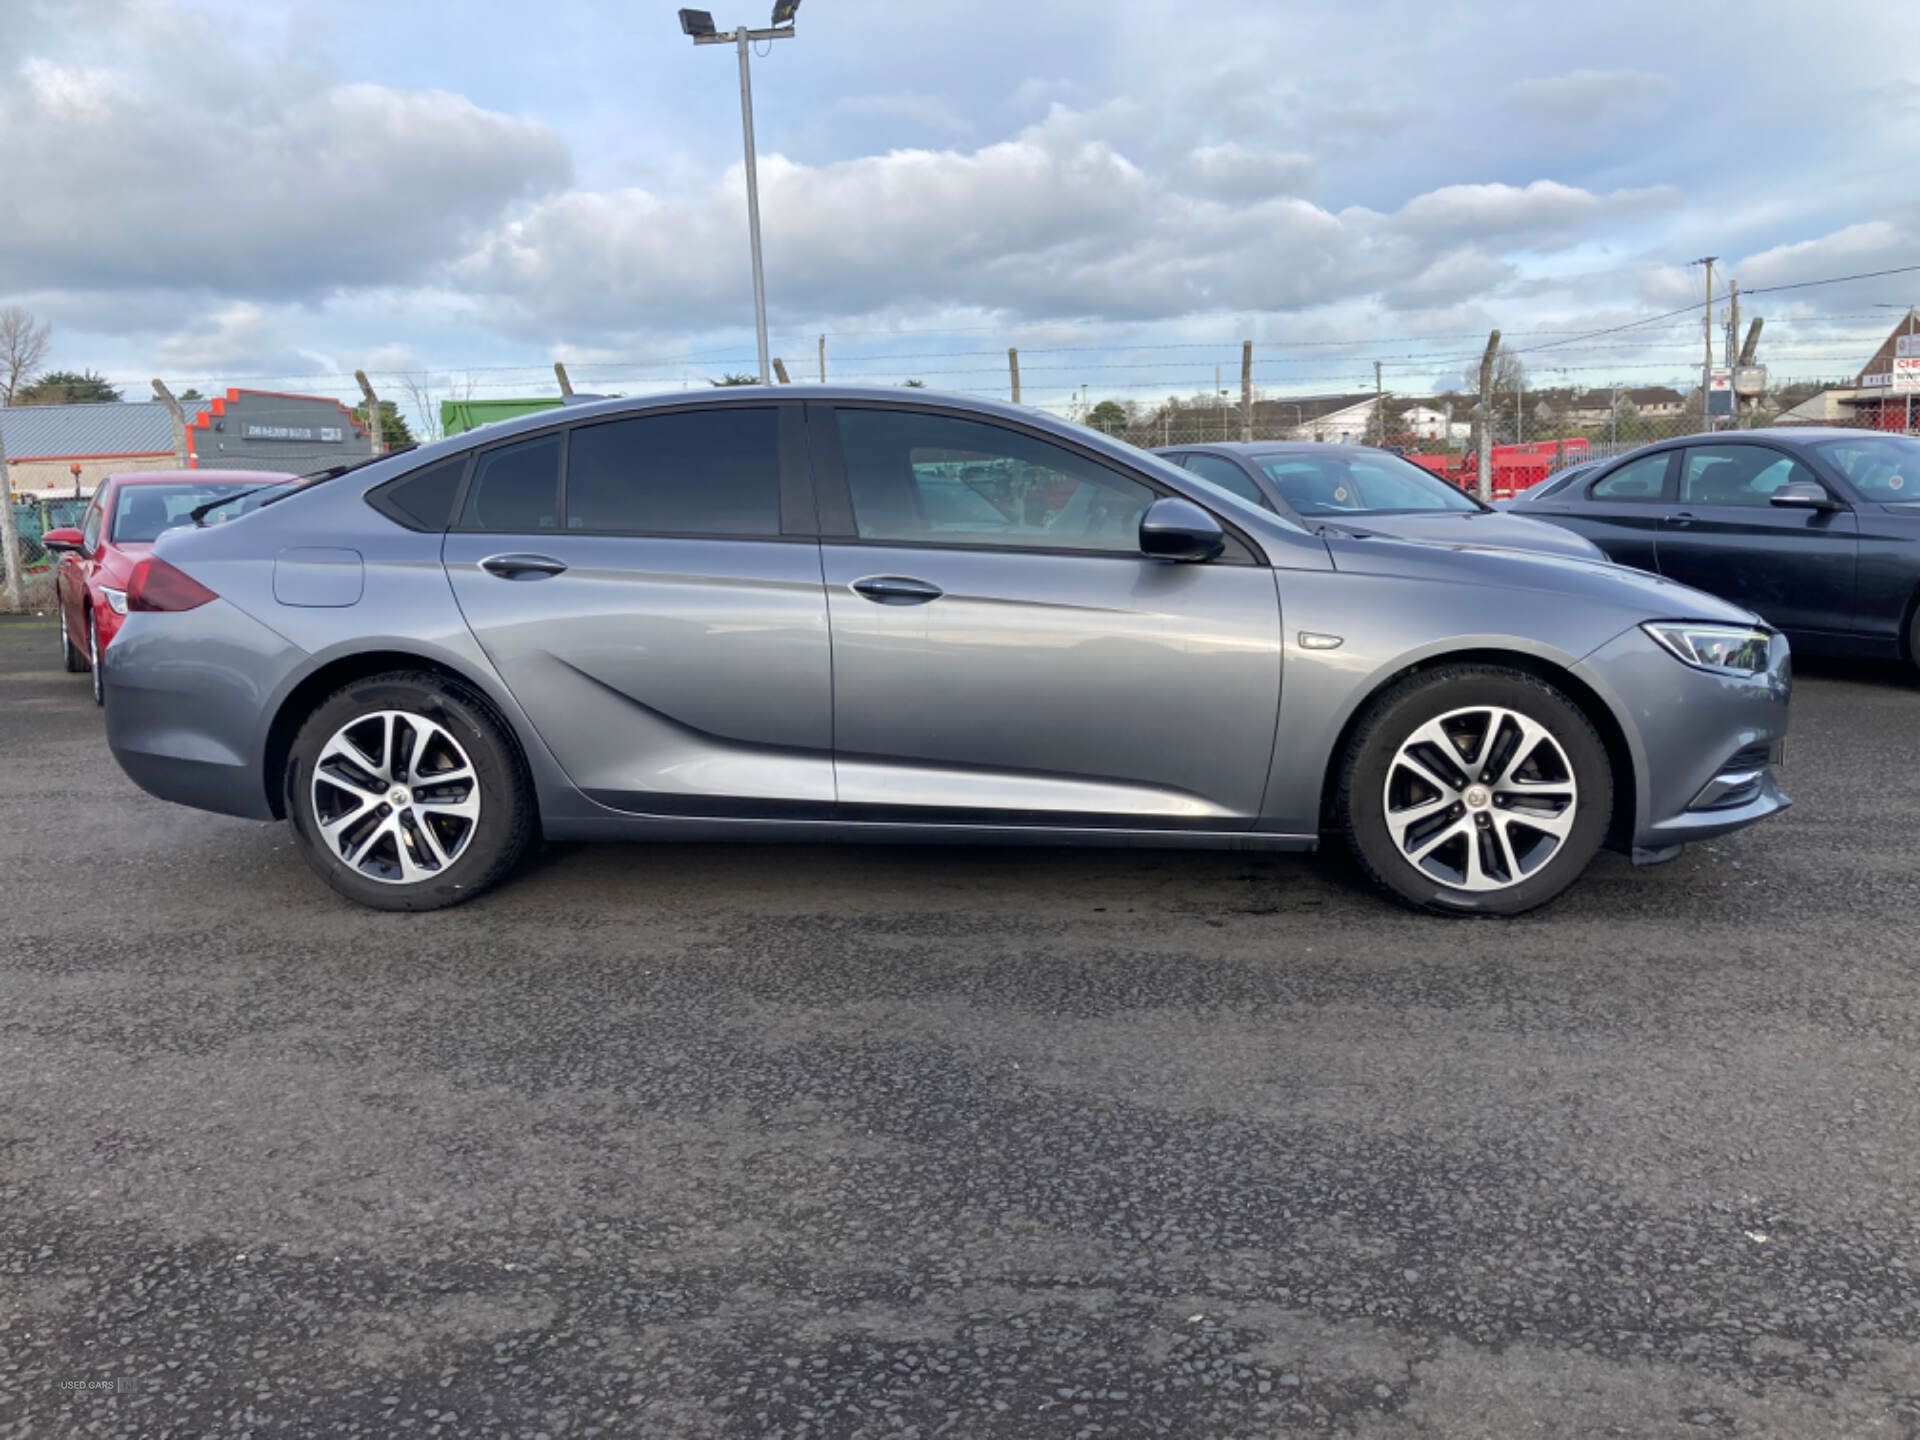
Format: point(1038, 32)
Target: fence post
point(1246, 389)
point(823, 359)
point(780, 371)
point(1486, 419)
point(1013, 368)
point(376, 427)
point(11, 554)
point(179, 422)
point(566, 385)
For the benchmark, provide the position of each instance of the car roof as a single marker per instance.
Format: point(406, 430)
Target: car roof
point(1263, 447)
point(163, 477)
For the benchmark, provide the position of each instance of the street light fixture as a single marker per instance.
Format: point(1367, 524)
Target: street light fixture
point(698, 25)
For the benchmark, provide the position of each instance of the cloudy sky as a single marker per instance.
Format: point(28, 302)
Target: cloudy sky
point(226, 193)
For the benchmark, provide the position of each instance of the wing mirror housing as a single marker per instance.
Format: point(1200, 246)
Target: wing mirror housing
point(1176, 529)
point(66, 541)
point(1803, 495)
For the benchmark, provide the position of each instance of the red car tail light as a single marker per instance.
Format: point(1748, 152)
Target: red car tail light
point(156, 585)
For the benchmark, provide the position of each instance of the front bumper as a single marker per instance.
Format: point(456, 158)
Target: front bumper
point(1705, 746)
point(187, 700)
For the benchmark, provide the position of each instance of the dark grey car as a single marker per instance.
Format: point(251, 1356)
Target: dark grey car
point(833, 613)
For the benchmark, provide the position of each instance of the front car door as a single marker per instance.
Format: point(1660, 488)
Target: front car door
point(659, 615)
point(1793, 567)
point(1229, 475)
point(1004, 654)
point(75, 570)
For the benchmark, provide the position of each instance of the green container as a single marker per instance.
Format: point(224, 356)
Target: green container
point(459, 416)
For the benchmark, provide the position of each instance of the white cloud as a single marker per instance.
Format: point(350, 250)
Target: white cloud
point(1595, 100)
point(1875, 245)
point(1233, 171)
point(931, 112)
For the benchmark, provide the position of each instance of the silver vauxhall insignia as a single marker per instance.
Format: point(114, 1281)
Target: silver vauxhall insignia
point(846, 614)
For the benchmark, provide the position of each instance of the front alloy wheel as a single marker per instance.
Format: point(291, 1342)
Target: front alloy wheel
point(1475, 789)
point(407, 792)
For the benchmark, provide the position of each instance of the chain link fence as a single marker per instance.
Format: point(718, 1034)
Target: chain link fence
point(32, 519)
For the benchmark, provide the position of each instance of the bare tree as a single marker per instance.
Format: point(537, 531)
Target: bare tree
point(23, 345)
point(420, 396)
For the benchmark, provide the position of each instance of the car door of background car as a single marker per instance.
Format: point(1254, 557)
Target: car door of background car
point(1229, 476)
point(1026, 663)
point(1793, 567)
point(660, 617)
point(76, 570)
point(1620, 511)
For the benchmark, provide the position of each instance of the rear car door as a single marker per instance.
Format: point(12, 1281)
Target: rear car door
point(1793, 567)
point(1620, 511)
point(648, 586)
point(1004, 654)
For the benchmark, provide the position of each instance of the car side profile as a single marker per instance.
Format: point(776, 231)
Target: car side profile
point(1816, 530)
point(126, 515)
point(852, 614)
point(1319, 485)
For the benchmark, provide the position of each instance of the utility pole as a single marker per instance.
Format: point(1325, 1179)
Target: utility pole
point(1486, 418)
point(699, 25)
point(1013, 368)
point(1706, 367)
point(1519, 408)
point(179, 421)
point(823, 359)
point(1746, 358)
point(376, 430)
point(566, 385)
point(11, 555)
point(1733, 319)
point(1246, 390)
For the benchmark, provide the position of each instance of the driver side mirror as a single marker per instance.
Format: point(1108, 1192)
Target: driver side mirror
point(1803, 495)
point(66, 541)
point(1176, 529)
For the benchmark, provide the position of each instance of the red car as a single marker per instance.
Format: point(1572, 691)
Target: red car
point(126, 516)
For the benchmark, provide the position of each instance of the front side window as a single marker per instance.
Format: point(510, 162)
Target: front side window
point(1229, 477)
point(1881, 467)
point(1644, 479)
point(516, 489)
point(933, 479)
point(1367, 483)
point(1737, 474)
point(698, 472)
point(90, 527)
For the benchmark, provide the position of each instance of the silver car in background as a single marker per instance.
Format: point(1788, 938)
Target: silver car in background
point(853, 614)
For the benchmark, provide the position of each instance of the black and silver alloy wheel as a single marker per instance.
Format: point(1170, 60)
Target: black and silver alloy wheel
point(396, 798)
point(93, 659)
point(1480, 798)
point(408, 792)
point(1475, 789)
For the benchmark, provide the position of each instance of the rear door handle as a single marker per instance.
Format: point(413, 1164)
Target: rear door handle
point(896, 590)
point(1682, 519)
point(523, 567)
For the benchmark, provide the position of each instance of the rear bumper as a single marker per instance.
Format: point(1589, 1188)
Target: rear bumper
point(1697, 739)
point(187, 704)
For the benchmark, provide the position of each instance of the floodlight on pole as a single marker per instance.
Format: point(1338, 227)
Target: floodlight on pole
point(698, 24)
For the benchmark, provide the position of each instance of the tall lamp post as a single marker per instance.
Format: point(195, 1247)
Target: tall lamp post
point(699, 25)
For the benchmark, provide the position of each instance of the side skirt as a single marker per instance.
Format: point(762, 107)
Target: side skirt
point(708, 830)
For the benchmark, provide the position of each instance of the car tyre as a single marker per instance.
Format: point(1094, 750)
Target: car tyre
point(1529, 803)
point(450, 723)
point(70, 658)
point(93, 659)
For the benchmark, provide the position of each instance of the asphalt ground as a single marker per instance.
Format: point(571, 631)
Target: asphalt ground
point(848, 1141)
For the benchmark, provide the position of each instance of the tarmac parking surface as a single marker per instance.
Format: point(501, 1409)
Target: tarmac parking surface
point(714, 1141)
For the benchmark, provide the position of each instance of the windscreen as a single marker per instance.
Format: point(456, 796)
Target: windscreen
point(1880, 467)
point(1368, 482)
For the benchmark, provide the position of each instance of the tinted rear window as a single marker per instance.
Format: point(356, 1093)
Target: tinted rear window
point(424, 499)
point(700, 472)
point(516, 489)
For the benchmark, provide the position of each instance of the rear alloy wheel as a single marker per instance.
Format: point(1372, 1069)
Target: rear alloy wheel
point(1476, 789)
point(406, 793)
point(93, 659)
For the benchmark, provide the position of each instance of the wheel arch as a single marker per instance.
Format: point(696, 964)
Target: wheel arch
point(1599, 714)
point(313, 688)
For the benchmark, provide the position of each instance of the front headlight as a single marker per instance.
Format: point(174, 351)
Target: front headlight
point(116, 599)
point(1725, 649)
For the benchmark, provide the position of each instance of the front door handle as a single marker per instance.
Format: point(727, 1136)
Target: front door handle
point(1681, 519)
point(523, 567)
point(896, 590)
